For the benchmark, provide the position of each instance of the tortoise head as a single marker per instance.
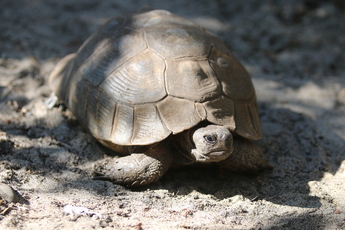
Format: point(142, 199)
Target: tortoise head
point(212, 143)
point(205, 143)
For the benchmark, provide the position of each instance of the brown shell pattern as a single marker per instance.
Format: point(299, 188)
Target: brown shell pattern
point(141, 78)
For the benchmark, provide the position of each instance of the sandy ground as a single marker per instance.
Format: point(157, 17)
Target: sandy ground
point(294, 51)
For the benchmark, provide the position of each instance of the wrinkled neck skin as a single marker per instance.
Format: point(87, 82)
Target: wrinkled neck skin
point(204, 144)
point(183, 143)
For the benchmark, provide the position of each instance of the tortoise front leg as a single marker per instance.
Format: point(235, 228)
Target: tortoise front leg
point(246, 157)
point(140, 168)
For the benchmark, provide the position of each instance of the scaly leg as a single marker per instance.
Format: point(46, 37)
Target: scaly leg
point(247, 157)
point(139, 169)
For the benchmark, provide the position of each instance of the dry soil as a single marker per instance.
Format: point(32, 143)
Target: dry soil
point(294, 51)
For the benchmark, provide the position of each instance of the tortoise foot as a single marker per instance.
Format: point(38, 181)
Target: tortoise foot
point(247, 157)
point(139, 169)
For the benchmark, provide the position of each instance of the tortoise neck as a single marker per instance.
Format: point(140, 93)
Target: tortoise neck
point(184, 144)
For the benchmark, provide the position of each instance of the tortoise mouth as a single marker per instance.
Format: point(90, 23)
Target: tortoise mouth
point(214, 156)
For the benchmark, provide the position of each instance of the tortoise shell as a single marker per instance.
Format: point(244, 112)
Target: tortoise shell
point(143, 77)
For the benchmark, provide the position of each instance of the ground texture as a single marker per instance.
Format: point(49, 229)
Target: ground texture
point(294, 51)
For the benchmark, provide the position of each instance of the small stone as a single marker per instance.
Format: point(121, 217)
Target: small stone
point(341, 96)
point(7, 193)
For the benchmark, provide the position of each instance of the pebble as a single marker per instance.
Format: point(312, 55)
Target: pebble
point(7, 193)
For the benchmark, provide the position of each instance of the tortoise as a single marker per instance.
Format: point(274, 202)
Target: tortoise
point(164, 92)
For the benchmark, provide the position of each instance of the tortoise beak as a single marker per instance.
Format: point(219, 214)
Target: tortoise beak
point(214, 156)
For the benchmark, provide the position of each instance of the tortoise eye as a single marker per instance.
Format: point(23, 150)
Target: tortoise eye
point(211, 139)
